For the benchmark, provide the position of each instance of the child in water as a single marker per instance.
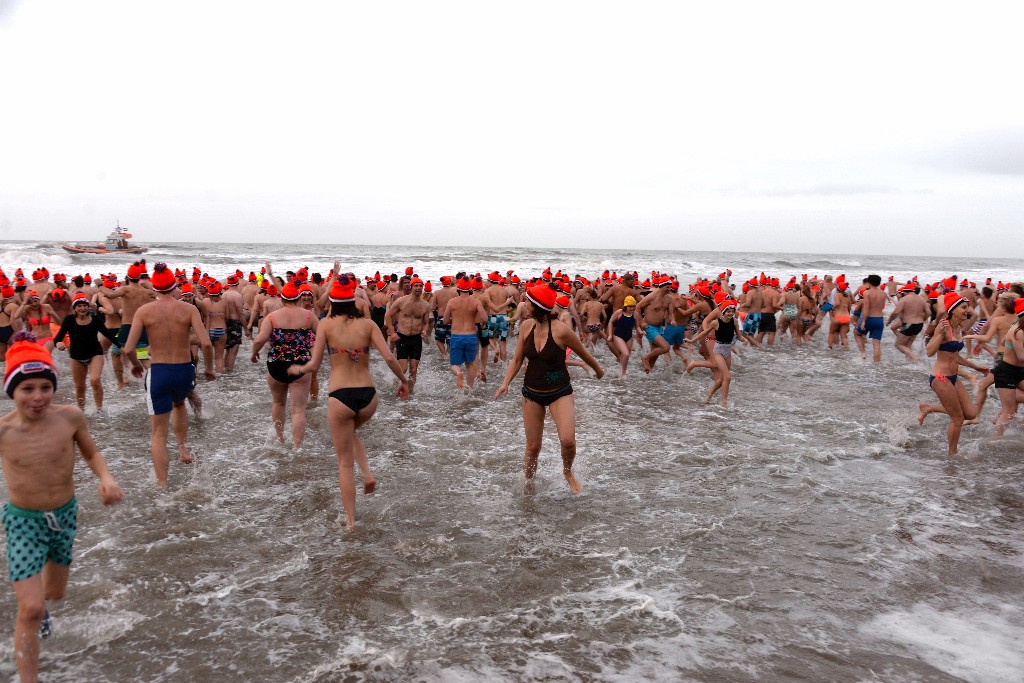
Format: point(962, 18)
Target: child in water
point(37, 445)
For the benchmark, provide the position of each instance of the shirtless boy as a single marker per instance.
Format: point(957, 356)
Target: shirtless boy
point(37, 445)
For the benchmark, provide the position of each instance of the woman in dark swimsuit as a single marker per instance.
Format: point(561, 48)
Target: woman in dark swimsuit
point(726, 333)
point(947, 342)
point(621, 330)
point(543, 341)
point(291, 332)
point(82, 330)
point(353, 399)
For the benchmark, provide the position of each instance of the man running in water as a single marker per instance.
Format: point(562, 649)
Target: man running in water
point(463, 314)
point(171, 374)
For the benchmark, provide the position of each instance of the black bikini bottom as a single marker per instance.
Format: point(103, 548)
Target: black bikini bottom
point(356, 398)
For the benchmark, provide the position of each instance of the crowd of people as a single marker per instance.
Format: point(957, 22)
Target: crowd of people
point(158, 324)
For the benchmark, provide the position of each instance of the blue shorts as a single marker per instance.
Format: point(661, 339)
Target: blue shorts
point(751, 323)
point(122, 336)
point(872, 327)
point(497, 325)
point(463, 349)
point(35, 537)
point(674, 334)
point(167, 384)
point(655, 331)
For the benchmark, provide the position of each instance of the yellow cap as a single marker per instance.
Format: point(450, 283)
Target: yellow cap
point(628, 301)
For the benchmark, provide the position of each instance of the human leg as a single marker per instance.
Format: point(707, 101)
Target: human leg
point(342, 425)
point(724, 366)
point(533, 425)
point(298, 392)
point(278, 400)
point(78, 374)
point(158, 445)
point(563, 412)
point(348, 448)
point(31, 600)
point(179, 420)
point(96, 380)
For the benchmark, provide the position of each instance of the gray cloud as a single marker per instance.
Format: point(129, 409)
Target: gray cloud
point(993, 152)
point(830, 190)
point(819, 190)
point(7, 9)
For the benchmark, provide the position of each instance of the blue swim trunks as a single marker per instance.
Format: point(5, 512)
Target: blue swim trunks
point(37, 536)
point(122, 336)
point(463, 349)
point(167, 384)
point(751, 323)
point(675, 334)
point(655, 331)
point(497, 325)
point(873, 327)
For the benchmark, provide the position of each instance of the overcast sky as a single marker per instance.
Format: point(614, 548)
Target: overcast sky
point(875, 128)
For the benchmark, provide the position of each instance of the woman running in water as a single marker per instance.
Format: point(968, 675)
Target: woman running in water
point(291, 332)
point(946, 345)
point(82, 329)
point(726, 333)
point(546, 386)
point(621, 331)
point(352, 399)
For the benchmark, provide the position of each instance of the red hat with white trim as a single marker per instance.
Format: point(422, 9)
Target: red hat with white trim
point(542, 296)
point(163, 278)
point(343, 290)
point(951, 300)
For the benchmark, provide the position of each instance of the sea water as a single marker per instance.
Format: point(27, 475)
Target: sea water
point(811, 531)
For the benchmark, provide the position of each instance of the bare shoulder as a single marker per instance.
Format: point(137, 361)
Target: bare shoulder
point(71, 414)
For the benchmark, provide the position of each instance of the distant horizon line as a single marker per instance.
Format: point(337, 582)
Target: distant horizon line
point(151, 244)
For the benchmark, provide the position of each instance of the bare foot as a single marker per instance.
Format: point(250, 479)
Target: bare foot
point(458, 379)
point(647, 365)
point(574, 485)
point(689, 368)
point(369, 486)
point(184, 456)
point(921, 414)
point(528, 487)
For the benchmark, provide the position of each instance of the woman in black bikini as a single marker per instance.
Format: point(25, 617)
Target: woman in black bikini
point(944, 380)
point(291, 332)
point(543, 341)
point(353, 399)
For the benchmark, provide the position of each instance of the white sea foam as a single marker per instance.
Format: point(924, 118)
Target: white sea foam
point(974, 644)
